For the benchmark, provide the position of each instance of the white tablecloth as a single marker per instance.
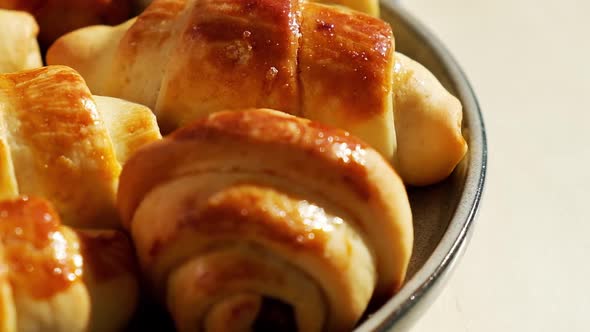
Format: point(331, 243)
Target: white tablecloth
point(527, 266)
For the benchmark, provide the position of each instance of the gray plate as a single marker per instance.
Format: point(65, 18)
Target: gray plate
point(444, 213)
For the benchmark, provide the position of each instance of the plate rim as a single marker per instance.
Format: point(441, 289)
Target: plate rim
point(451, 246)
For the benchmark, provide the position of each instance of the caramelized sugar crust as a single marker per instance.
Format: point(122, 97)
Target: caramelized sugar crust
point(42, 260)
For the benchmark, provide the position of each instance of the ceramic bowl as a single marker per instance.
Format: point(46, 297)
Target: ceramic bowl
point(444, 214)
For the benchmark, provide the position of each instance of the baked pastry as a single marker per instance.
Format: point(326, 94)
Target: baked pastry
point(188, 59)
point(18, 41)
point(53, 278)
point(57, 17)
point(59, 142)
point(427, 124)
point(259, 219)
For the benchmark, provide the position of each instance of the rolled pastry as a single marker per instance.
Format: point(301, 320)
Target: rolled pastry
point(187, 59)
point(427, 123)
point(257, 219)
point(59, 142)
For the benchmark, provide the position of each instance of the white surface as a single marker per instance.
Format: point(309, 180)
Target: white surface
point(527, 266)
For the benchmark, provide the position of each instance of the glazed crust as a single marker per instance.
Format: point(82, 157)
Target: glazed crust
point(187, 59)
point(56, 143)
point(44, 269)
point(241, 54)
point(346, 62)
point(51, 274)
point(227, 189)
point(59, 146)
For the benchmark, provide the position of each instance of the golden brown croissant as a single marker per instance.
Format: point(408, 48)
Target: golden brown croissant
point(259, 218)
point(187, 59)
point(59, 142)
point(427, 123)
point(54, 279)
point(56, 17)
point(18, 41)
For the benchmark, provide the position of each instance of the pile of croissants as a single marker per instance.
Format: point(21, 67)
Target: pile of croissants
point(276, 199)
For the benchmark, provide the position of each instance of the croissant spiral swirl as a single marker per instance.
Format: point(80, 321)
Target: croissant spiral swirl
point(253, 219)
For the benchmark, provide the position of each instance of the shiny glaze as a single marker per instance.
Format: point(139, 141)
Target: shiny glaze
point(258, 125)
point(211, 211)
point(240, 54)
point(252, 211)
point(256, 211)
point(41, 260)
point(345, 55)
point(68, 156)
point(260, 28)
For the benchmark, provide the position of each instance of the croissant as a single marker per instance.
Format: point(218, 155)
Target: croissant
point(187, 59)
point(59, 142)
point(57, 17)
point(259, 219)
point(427, 123)
point(53, 278)
point(18, 41)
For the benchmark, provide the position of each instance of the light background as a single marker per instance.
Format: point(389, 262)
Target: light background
point(527, 267)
